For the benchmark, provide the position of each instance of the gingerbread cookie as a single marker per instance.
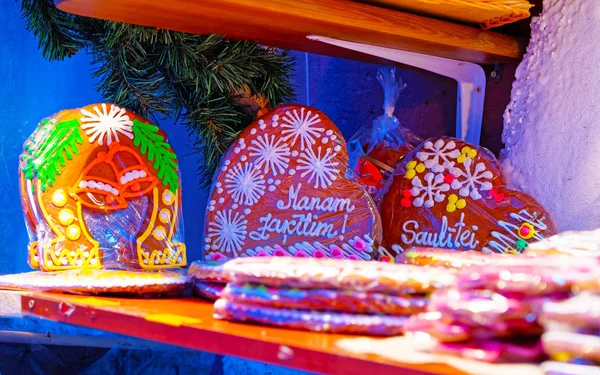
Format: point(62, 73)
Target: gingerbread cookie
point(330, 322)
point(209, 290)
point(100, 188)
point(282, 189)
point(326, 299)
point(338, 274)
point(161, 283)
point(450, 194)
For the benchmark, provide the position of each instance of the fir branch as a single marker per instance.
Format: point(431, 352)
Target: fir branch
point(153, 145)
point(54, 151)
point(57, 31)
point(196, 78)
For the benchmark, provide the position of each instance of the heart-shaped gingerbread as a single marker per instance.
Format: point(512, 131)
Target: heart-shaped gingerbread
point(282, 189)
point(450, 194)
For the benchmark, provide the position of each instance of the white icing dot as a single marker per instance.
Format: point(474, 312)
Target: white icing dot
point(234, 206)
point(214, 247)
point(221, 200)
point(57, 253)
point(243, 158)
point(324, 140)
point(333, 137)
point(270, 181)
point(275, 118)
point(236, 150)
point(211, 208)
point(206, 247)
point(156, 261)
point(223, 168)
point(262, 124)
point(242, 140)
point(277, 182)
point(341, 238)
point(167, 260)
point(219, 190)
point(94, 261)
point(145, 261)
point(82, 184)
point(180, 259)
point(147, 253)
point(86, 254)
point(227, 162)
point(337, 148)
point(292, 172)
point(212, 202)
point(475, 227)
point(65, 262)
point(218, 184)
point(247, 211)
point(243, 146)
point(72, 254)
point(207, 240)
point(80, 262)
point(272, 188)
point(329, 132)
point(294, 153)
point(253, 131)
point(274, 124)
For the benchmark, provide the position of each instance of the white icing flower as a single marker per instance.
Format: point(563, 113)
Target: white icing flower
point(106, 124)
point(321, 168)
point(473, 180)
point(228, 231)
point(435, 155)
point(245, 184)
point(429, 192)
point(270, 154)
point(301, 126)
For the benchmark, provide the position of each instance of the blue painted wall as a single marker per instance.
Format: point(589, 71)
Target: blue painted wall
point(32, 88)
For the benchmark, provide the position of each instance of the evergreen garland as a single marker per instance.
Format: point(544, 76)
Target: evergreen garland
point(198, 79)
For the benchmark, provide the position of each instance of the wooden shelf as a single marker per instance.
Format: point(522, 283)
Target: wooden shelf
point(286, 24)
point(189, 323)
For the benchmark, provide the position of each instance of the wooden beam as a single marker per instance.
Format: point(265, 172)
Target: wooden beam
point(286, 23)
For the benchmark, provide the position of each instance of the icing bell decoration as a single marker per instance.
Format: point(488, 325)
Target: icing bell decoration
point(450, 194)
point(283, 189)
point(100, 188)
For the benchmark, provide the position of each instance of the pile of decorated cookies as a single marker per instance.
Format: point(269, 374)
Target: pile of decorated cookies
point(288, 221)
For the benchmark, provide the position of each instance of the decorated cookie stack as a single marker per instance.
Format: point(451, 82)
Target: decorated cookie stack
point(327, 295)
point(491, 313)
point(283, 189)
point(450, 194)
point(209, 278)
point(101, 196)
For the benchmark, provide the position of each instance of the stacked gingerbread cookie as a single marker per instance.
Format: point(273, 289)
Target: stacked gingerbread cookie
point(491, 313)
point(327, 295)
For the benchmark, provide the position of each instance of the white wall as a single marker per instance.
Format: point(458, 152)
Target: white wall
point(552, 124)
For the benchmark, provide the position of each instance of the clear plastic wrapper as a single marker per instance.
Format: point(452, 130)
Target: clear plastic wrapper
point(100, 188)
point(338, 274)
point(521, 279)
point(331, 322)
point(209, 290)
point(376, 150)
point(284, 189)
point(450, 194)
point(494, 351)
point(106, 282)
point(560, 368)
point(579, 313)
point(208, 271)
point(488, 309)
point(569, 347)
point(584, 244)
point(325, 299)
point(426, 256)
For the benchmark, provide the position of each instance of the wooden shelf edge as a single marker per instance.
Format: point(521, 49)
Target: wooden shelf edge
point(285, 24)
point(306, 351)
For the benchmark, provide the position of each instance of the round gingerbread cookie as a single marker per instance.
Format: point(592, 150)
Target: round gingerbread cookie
point(101, 282)
point(450, 194)
point(283, 189)
point(100, 189)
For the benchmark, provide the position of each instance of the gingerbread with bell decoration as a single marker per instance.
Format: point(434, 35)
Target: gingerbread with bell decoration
point(100, 188)
point(451, 194)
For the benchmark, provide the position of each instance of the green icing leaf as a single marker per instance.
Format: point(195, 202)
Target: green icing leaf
point(56, 148)
point(153, 145)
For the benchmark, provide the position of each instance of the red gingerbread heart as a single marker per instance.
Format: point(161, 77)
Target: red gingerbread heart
point(458, 200)
point(282, 190)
